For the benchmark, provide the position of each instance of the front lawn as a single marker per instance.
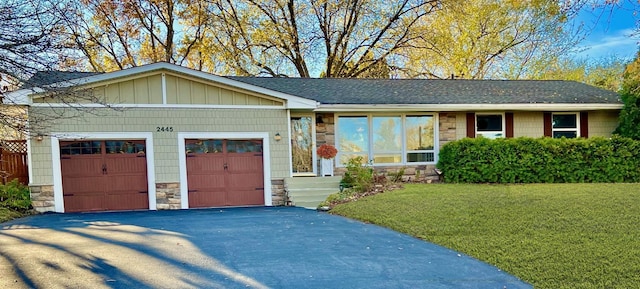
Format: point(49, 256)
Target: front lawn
point(550, 235)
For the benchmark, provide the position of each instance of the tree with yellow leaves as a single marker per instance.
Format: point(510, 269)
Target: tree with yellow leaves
point(476, 39)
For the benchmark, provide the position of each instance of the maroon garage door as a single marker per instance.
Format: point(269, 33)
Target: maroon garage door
point(106, 175)
point(224, 172)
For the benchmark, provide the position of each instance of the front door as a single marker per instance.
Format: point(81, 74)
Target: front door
point(302, 154)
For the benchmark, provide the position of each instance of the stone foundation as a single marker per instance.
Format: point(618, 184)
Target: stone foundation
point(168, 196)
point(278, 196)
point(42, 198)
point(415, 173)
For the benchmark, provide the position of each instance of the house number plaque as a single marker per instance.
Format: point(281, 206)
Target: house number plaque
point(164, 129)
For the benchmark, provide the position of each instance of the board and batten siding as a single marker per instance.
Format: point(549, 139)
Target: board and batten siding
point(147, 89)
point(166, 152)
point(528, 124)
point(602, 123)
point(189, 91)
point(461, 125)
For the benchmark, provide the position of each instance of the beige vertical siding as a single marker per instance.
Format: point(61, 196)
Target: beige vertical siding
point(188, 91)
point(602, 123)
point(528, 124)
point(147, 89)
point(461, 125)
point(166, 143)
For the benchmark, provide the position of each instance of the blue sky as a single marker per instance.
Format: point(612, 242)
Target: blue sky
point(610, 31)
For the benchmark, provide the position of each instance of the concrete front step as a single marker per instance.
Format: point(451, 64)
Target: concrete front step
point(312, 192)
point(313, 180)
point(308, 205)
point(316, 198)
point(309, 192)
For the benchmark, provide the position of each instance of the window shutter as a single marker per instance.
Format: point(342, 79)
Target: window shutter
point(548, 125)
point(584, 124)
point(471, 125)
point(508, 119)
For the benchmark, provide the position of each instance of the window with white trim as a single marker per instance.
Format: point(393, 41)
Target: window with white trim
point(354, 137)
point(490, 125)
point(565, 125)
point(392, 139)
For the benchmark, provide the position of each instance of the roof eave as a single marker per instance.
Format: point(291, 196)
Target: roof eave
point(470, 107)
point(18, 97)
point(293, 101)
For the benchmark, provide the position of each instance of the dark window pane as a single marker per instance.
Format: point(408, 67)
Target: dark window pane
point(489, 122)
point(244, 146)
point(113, 146)
point(195, 146)
point(564, 121)
point(420, 157)
point(567, 134)
point(213, 146)
point(80, 147)
point(129, 147)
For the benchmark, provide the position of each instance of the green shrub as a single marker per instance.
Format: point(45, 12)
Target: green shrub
point(396, 177)
point(542, 160)
point(15, 196)
point(359, 175)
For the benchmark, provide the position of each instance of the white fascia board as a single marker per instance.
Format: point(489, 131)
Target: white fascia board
point(470, 107)
point(292, 101)
point(207, 106)
point(18, 97)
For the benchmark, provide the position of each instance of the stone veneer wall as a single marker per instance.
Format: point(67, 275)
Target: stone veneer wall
point(325, 131)
point(168, 196)
point(277, 192)
point(42, 198)
point(447, 129)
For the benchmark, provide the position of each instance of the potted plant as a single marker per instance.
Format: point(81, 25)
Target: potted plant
point(326, 152)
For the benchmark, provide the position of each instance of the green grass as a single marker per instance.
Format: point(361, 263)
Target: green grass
point(7, 214)
point(550, 235)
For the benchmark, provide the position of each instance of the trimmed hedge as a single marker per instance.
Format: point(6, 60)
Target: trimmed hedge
point(541, 160)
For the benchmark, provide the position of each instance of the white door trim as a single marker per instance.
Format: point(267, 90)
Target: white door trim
point(57, 169)
point(182, 159)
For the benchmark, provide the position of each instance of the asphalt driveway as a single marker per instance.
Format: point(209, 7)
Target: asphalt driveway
point(280, 247)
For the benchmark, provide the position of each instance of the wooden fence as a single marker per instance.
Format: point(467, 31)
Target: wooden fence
point(13, 161)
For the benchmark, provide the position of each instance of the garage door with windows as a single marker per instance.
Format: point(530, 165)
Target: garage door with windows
point(104, 175)
point(223, 172)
